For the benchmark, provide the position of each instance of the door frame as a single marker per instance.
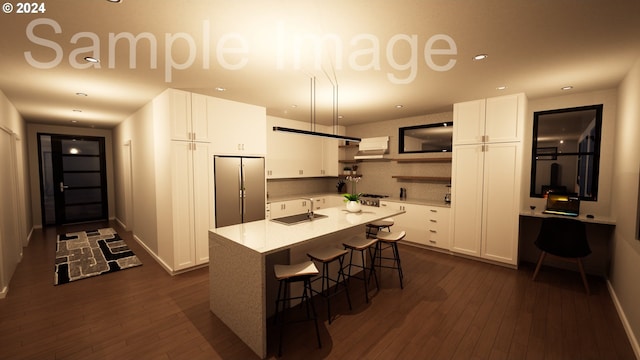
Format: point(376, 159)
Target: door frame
point(59, 220)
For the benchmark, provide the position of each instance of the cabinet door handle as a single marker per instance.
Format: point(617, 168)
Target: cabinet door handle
point(433, 231)
point(433, 210)
point(433, 220)
point(432, 241)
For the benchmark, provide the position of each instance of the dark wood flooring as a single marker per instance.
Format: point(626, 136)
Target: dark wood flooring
point(450, 308)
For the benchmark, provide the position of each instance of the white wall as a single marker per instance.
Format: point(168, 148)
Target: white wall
point(34, 171)
point(608, 98)
point(377, 174)
point(138, 131)
point(625, 266)
point(15, 223)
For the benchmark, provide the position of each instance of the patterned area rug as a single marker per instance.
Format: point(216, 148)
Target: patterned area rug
point(84, 254)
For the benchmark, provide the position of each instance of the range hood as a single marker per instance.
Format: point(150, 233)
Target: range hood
point(372, 148)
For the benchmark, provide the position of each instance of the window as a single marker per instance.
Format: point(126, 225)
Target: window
point(566, 152)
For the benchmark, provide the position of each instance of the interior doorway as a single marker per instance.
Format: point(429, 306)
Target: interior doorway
point(73, 179)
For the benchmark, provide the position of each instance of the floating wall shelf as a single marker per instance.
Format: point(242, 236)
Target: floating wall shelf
point(423, 160)
point(423, 178)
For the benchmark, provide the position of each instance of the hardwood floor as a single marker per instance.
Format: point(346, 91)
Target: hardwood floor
point(450, 308)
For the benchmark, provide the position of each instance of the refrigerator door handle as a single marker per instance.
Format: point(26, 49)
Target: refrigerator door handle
point(242, 190)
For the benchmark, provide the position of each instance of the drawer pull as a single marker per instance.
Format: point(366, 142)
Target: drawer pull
point(433, 210)
point(433, 231)
point(433, 220)
point(432, 241)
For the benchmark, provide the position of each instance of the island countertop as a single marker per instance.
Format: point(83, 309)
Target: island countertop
point(242, 288)
point(266, 236)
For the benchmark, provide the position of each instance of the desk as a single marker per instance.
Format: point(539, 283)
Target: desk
point(599, 231)
point(241, 259)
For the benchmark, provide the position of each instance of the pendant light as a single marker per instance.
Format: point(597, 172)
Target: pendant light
point(312, 116)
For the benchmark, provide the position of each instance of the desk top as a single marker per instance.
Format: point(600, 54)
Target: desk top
point(266, 236)
point(582, 217)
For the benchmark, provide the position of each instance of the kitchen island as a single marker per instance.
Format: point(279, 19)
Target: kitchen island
point(241, 258)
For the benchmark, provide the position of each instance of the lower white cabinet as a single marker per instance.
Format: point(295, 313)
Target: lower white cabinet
point(423, 224)
point(438, 227)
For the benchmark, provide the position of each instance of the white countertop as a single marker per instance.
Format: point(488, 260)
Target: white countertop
point(266, 236)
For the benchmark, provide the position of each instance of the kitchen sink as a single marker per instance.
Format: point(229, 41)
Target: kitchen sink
point(297, 219)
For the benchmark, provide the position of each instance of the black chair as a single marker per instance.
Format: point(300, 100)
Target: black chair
point(566, 239)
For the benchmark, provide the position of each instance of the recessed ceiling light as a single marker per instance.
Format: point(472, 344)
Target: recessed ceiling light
point(293, 106)
point(399, 106)
point(74, 121)
point(340, 116)
point(480, 57)
point(91, 59)
point(81, 94)
point(569, 87)
point(501, 87)
point(114, 1)
point(221, 89)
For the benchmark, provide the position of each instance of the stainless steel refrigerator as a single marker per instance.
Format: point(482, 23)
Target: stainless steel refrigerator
point(239, 189)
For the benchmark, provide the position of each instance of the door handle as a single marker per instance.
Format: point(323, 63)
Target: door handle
point(63, 186)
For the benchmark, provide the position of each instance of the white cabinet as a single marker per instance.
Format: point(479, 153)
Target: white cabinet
point(438, 227)
point(424, 224)
point(191, 200)
point(491, 120)
point(187, 115)
point(412, 221)
point(239, 129)
point(279, 209)
point(486, 183)
point(291, 155)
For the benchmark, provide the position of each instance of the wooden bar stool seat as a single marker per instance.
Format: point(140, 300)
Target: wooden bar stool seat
point(362, 245)
point(390, 240)
point(287, 274)
point(326, 256)
point(376, 226)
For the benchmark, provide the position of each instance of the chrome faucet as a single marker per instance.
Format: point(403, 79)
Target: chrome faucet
point(310, 211)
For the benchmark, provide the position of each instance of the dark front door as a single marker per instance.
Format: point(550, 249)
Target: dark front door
point(73, 178)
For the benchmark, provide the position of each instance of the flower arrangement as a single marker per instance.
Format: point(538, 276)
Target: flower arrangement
point(353, 196)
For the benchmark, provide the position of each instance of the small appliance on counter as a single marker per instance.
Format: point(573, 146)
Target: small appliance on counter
point(403, 193)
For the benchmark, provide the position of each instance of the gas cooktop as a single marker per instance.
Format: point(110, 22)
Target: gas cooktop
point(375, 196)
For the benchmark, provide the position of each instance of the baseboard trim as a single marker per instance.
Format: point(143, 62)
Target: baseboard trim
point(164, 265)
point(4, 292)
point(122, 225)
point(625, 322)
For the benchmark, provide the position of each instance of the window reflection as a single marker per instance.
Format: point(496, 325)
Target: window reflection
point(566, 152)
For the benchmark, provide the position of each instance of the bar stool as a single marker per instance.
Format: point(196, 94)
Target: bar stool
point(376, 226)
point(287, 274)
point(362, 245)
point(390, 240)
point(326, 256)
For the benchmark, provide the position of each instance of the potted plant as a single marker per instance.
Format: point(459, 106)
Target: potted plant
point(353, 198)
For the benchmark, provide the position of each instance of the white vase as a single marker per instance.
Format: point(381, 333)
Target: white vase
point(353, 206)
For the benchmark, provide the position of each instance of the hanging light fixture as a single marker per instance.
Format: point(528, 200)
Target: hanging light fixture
point(312, 116)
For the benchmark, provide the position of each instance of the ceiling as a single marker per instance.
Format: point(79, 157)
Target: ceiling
point(260, 52)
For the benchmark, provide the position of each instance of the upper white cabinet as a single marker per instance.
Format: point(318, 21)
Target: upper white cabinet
point(292, 155)
point(486, 178)
point(489, 120)
point(239, 129)
point(187, 115)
